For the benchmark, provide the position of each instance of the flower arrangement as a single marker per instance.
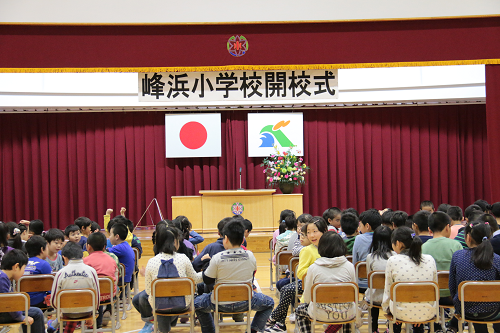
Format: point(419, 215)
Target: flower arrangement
point(284, 167)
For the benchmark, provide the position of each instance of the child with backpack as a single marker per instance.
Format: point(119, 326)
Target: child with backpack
point(166, 264)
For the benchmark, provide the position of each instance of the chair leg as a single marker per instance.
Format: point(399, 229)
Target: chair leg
point(370, 327)
point(460, 326)
point(391, 327)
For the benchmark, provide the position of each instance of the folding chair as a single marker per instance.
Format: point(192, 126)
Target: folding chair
point(20, 301)
point(271, 252)
point(341, 292)
point(123, 291)
point(292, 267)
point(181, 286)
point(297, 295)
point(135, 275)
point(282, 258)
point(349, 258)
point(376, 280)
point(409, 292)
point(35, 283)
point(232, 292)
point(77, 298)
point(443, 280)
point(107, 286)
point(361, 273)
point(476, 291)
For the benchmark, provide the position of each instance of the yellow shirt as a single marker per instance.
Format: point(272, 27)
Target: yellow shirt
point(307, 257)
point(130, 235)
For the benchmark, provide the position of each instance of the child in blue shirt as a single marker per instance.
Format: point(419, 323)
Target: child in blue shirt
point(122, 249)
point(36, 247)
point(13, 265)
point(85, 225)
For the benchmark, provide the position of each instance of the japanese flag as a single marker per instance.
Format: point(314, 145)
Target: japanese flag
point(193, 135)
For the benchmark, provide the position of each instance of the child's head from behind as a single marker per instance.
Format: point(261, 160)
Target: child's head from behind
point(427, 205)
point(118, 233)
point(369, 220)
point(36, 227)
point(96, 242)
point(71, 251)
point(36, 246)
point(399, 218)
point(167, 239)
point(349, 223)
point(455, 213)
point(15, 261)
point(15, 234)
point(489, 220)
point(4, 231)
point(95, 227)
point(381, 243)
point(331, 245)
point(495, 209)
point(222, 223)
point(248, 227)
point(84, 223)
point(387, 217)
point(332, 216)
point(477, 235)
point(404, 240)
point(485, 206)
point(285, 213)
point(315, 229)
point(73, 233)
point(291, 223)
point(421, 221)
point(443, 207)
point(233, 234)
point(440, 222)
point(55, 240)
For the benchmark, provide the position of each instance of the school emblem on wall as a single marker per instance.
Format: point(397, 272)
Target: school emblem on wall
point(237, 208)
point(237, 46)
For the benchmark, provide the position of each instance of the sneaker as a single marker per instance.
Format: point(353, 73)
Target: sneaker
point(277, 328)
point(292, 317)
point(238, 317)
point(106, 317)
point(148, 328)
point(270, 323)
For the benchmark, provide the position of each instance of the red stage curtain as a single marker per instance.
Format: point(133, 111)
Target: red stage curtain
point(493, 125)
point(57, 167)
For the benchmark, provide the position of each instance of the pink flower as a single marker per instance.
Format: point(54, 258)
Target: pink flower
point(296, 163)
point(286, 176)
point(278, 174)
point(264, 171)
point(294, 178)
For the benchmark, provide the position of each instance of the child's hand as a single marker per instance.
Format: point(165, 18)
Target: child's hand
point(109, 211)
point(122, 211)
point(205, 257)
point(142, 271)
point(30, 320)
point(24, 222)
point(88, 322)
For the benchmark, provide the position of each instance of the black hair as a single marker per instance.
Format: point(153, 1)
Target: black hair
point(470, 209)
point(282, 227)
point(238, 218)
point(482, 254)
point(490, 220)
point(95, 226)
point(349, 223)
point(165, 239)
point(284, 213)
point(485, 206)
point(35, 245)
point(71, 228)
point(495, 209)
point(121, 230)
point(304, 218)
point(163, 223)
point(444, 207)
point(247, 224)
point(222, 223)
point(182, 223)
point(331, 245)
point(426, 203)
point(15, 235)
point(22, 228)
point(411, 242)
point(13, 257)
point(97, 240)
point(387, 217)
point(381, 243)
point(352, 211)
point(475, 215)
point(72, 251)
point(36, 227)
point(421, 220)
point(372, 217)
point(438, 221)
point(110, 225)
point(4, 230)
point(83, 222)
point(234, 231)
point(130, 225)
point(331, 213)
point(409, 221)
point(54, 234)
point(290, 223)
point(399, 218)
point(320, 223)
point(455, 213)
point(123, 220)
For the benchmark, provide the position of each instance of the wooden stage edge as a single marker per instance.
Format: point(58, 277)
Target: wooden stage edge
point(258, 241)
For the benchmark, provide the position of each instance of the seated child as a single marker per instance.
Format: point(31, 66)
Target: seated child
point(37, 253)
point(14, 237)
point(427, 205)
point(85, 225)
point(35, 228)
point(386, 215)
point(332, 217)
point(332, 266)
point(283, 239)
point(75, 275)
point(283, 215)
point(4, 247)
point(95, 227)
point(456, 215)
point(399, 219)
point(55, 242)
point(202, 260)
point(471, 215)
point(122, 249)
point(349, 223)
point(421, 225)
point(103, 264)
point(12, 268)
point(233, 265)
point(73, 234)
point(165, 248)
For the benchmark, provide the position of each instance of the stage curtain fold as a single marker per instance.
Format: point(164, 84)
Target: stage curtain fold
point(493, 125)
point(57, 167)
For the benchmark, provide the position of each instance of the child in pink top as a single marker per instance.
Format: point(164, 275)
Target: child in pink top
point(455, 213)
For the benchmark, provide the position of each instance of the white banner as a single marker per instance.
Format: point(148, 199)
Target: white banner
point(193, 135)
point(197, 87)
point(267, 130)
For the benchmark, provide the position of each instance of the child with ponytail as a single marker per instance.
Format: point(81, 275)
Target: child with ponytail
point(408, 265)
point(477, 263)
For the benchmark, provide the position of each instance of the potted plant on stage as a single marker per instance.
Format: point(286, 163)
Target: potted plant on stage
point(284, 170)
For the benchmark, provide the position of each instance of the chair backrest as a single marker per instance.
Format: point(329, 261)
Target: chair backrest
point(283, 257)
point(292, 264)
point(121, 271)
point(106, 285)
point(349, 258)
point(11, 302)
point(341, 292)
point(35, 283)
point(76, 298)
point(479, 291)
point(181, 286)
point(376, 280)
point(443, 279)
point(136, 254)
point(232, 292)
point(421, 291)
point(361, 270)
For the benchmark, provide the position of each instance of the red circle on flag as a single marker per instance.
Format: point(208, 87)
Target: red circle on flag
point(193, 135)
